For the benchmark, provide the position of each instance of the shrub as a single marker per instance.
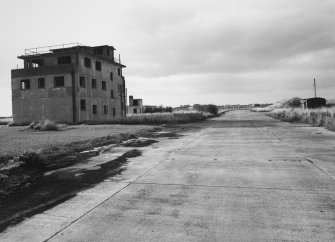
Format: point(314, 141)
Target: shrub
point(44, 125)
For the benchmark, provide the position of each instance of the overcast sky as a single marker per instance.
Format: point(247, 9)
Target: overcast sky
point(185, 52)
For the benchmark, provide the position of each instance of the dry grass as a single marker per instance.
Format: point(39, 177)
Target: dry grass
point(156, 118)
point(324, 117)
point(16, 140)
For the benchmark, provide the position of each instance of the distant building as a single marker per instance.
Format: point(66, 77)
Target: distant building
point(135, 106)
point(315, 102)
point(68, 83)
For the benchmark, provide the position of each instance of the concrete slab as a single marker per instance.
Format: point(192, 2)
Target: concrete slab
point(241, 177)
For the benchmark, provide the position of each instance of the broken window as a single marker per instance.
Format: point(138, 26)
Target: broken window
point(111, 76)
point(59, 81)
point(98, 65)
point(82, 81)
point(82, 105)
point(64, 60)
point(87, 62)
point(113, 112)
point(112, 94)
point(105, 109)
point(95, 109)
point(41, 82)
point(25, 84)
point(103, 85)
point(94, 83)
point(37, 63)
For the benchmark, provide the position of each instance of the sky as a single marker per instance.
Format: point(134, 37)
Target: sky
point(180, 52)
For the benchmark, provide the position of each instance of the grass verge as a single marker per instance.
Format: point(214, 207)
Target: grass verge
point(323, 117)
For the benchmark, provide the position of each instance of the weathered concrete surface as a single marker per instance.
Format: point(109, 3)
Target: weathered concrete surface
point(243, 177)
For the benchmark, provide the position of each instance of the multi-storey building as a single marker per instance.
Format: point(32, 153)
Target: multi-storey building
point(69, 83)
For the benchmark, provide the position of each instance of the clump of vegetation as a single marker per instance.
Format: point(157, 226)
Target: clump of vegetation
point(324, 117)
point(209, 108)
point(157, 118)
point(45, 125)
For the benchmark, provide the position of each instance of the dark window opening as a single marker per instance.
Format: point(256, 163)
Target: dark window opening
point(108, 51)
point(105, 109)
point(64, 60)
point(103, 85)
point(94, 83)
point(37, 63)
point(111, 76)
point(98, 65)
point(41, 82)
point(82, 81)
point(112, 94)
point(134, 110)
point(119, 71)
point(95, 109)
point(82, 105)
point(59, 81)
point(113, 112)
point(25, 84)
point(87, 62)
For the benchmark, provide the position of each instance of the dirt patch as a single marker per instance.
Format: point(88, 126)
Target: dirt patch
point(37, 181)
point(49, 190)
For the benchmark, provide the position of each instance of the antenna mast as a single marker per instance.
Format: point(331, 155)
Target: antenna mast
point(314, 88)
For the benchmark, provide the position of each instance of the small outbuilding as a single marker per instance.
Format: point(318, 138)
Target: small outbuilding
point(315, 102)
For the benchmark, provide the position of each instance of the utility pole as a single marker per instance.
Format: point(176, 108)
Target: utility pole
point(314, 88)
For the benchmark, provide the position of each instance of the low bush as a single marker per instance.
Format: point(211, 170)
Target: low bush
point(45, 125)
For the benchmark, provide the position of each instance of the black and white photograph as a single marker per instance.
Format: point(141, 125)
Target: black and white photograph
point(167, 120)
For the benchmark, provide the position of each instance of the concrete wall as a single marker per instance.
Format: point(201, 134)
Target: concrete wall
point(37, 104)
point(97, 96)
point(63, 104)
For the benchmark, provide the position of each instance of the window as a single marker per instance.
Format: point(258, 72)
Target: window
point(112, 94)
point(64, 60)
point(82, 81)
point(111, 76)
point(119, 88)
point(108, 51)
point(41, 82)
point(105, 109)
point(113, 112)
point(25, 84)
point(103, 85)
point(59, 81)
point(94, 83)
point(82, 105)
point(119, 71)
point(98, 65)
point(95, 109)
point(135, 111)
point(87, 62)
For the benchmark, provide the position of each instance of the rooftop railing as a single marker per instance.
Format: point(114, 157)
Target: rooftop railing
point(49, 49)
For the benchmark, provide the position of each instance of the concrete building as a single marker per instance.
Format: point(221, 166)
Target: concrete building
point(68, 83)
point(135, 106)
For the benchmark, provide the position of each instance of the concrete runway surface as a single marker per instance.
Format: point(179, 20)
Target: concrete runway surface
point(241, 177)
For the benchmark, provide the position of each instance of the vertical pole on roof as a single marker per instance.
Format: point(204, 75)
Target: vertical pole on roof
point(314, 88)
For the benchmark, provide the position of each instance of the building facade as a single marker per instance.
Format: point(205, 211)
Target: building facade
point(135, 106)
point(68, 83)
